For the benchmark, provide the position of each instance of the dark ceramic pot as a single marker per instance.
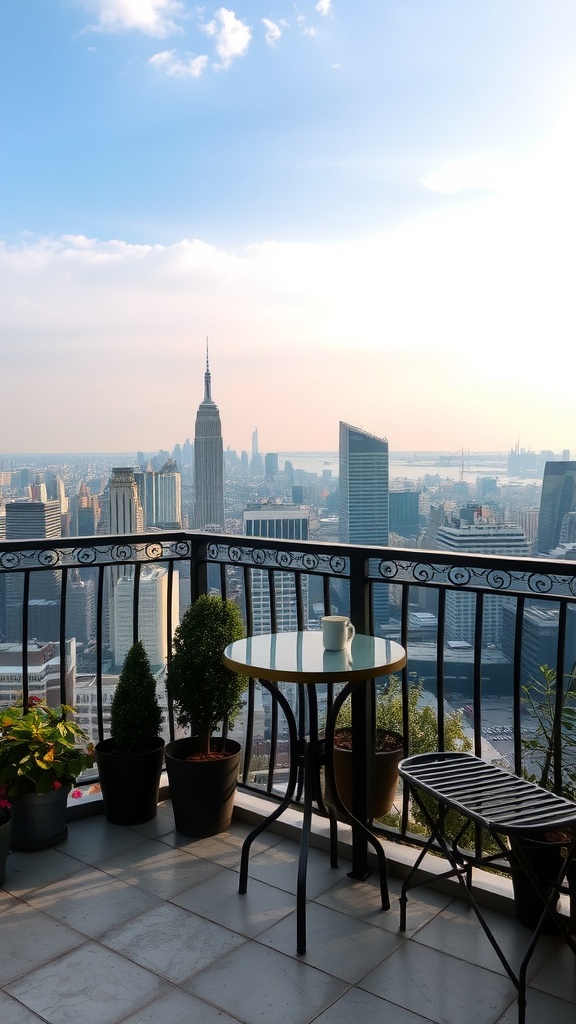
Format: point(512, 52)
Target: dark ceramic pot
point(130, 782)
point(39, 819)
point(5, 830)
point(202, 792)
point(545, 859)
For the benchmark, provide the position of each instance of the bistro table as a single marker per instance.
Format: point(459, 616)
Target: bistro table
point(301, 658)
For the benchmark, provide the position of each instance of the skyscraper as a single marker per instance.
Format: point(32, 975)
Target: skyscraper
point(557, 500)
point(152, 614)
point(484, 536)
point(125, 506)
point(126, 517)
point(289, 522)
point(208, 462)
point(364, 499)
point(31, 520)
point(169, 512)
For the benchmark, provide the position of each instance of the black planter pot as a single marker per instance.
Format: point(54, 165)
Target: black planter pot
point(39, 819)
point(545, 859)
point(130, 782)
point(5, 829)
point(202, 792)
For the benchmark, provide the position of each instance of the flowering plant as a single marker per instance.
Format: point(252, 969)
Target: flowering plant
point(39, 750)
point(5, 808)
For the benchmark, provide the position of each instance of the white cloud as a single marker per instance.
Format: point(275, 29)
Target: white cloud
point(310, 31)
point(470, 291)
point(231, 34)
point(172, 64)
point(324, 7)
point(154, 17)
point(273, 31)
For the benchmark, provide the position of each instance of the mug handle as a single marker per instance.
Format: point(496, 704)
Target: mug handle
point(351, 632)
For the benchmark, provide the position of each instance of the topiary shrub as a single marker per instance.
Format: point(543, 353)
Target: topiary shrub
point(204, 691)
point(135, 714)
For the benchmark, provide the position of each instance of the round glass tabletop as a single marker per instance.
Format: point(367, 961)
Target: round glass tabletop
point(301, 658)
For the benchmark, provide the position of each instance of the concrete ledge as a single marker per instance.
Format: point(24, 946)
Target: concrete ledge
point(489, 889)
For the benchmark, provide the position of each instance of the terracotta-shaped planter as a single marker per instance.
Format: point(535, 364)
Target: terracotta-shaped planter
point(202, 792)
point(39, 819)
point(383, 773)
point(130, 782)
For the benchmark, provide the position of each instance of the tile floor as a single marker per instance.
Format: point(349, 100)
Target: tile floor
point(140, 925)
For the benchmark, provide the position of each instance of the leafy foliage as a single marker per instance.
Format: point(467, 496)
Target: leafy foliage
point(539, 697)
point(39, 750)
point(135, 714)
point(422, 719)
point(422, 735)
point(204, 691)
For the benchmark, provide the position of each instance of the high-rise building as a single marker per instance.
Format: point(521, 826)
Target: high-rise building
point(80, 609)
point(557, 500)
point(33, 520)
point(208, 462)
point(125, 506)
point(126, 517)
point(481, 537)
point(169, 511)
point(364, 500)
point(405, 514)
point(152, 614)
point(43, 672)
point(279, 521)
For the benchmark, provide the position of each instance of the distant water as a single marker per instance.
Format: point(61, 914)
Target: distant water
point(409, 467)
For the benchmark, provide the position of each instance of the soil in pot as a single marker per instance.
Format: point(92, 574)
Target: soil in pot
point(384, 769)
point(202, 788)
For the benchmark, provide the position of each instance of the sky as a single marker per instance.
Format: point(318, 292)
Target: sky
point(367, 207)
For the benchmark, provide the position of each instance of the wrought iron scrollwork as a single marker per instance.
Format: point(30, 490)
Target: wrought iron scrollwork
point(499, 579)
point(122, 553)
point(49, 558)
point(459, 576)
point(9, 560)
point(539, 584)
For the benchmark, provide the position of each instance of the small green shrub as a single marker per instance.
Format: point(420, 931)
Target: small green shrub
point(135, 714)
point(204, 691)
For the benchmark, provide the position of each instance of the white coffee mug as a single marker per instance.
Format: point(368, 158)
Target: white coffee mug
point(337, 631)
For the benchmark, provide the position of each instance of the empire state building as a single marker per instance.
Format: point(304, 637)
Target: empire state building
point(208, 462)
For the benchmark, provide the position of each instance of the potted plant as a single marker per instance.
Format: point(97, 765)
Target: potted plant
point(130, 762)
point(41, 756)
point(389, 744)
point(202, 770)
point(5, 828)
point(545, 852)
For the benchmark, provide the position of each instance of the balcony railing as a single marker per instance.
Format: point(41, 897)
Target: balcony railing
point(488, 621)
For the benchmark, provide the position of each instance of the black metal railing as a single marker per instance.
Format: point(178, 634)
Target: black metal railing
point(288, 584)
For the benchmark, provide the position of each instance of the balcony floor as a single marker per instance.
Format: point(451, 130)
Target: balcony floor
point(139, 925)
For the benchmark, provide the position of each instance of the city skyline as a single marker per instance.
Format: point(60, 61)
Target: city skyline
point(368, 208)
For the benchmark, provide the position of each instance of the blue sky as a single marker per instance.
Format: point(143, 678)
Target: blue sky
point(368, 207)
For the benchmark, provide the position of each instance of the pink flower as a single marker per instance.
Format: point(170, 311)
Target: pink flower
point(76, 794)
point(56, 784)
point(5, 805)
